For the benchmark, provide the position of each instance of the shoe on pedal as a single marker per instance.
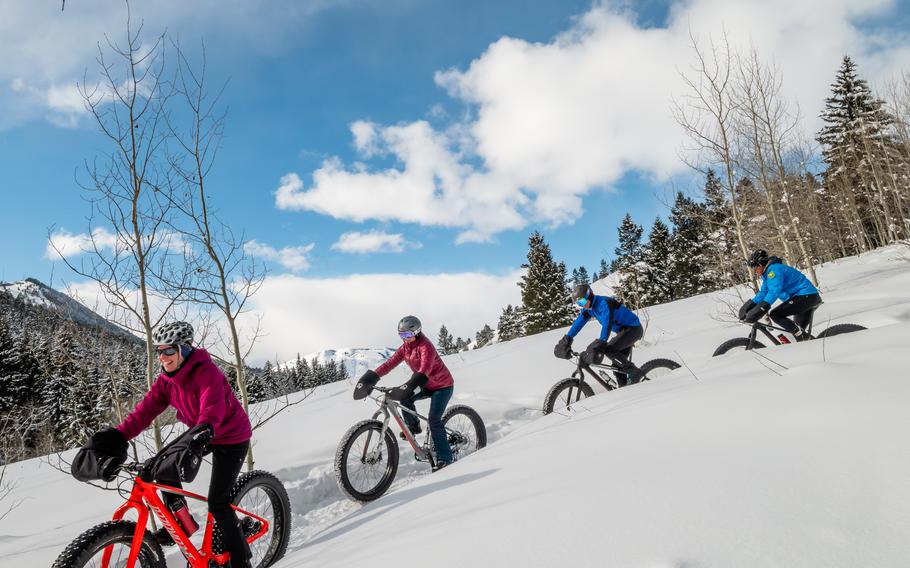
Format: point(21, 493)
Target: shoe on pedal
point(414, 432)
point(440, 465)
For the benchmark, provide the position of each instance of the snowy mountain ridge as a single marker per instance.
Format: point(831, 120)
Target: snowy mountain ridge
point(355, 360)
point(34, 292)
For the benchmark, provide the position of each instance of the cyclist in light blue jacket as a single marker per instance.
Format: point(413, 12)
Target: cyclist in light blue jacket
point(784, 283)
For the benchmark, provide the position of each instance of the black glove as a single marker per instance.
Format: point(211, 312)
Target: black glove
point(754, 314)
point(198, 438)
point(594, 354)
point(745, 309)
point(101, 456)
point(365, 385)
point(563, 348)
point(405, 391)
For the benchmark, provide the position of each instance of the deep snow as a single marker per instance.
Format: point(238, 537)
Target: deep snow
point(791, 456)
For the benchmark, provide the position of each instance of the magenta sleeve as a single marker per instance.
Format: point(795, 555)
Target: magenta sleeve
point(153, 404)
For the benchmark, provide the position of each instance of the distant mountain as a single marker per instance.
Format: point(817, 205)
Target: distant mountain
point(36, 293)
point(356, 360)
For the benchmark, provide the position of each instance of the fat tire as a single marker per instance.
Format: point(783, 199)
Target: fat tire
point(651, 365)
point(476, 421)
point(90, 543)
point(281, 504)
point(341, 461)
point(549, 401)
point(840, 329)
point(731, 344)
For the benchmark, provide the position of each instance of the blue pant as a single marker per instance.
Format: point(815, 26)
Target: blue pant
point(439, 399)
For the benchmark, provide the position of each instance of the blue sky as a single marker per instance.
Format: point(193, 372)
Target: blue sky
point(447, 130)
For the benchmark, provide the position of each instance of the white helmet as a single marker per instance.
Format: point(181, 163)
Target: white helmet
point(174, 333)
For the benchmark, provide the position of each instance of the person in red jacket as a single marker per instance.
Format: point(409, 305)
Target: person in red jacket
point(421, 356)
point(199, 391)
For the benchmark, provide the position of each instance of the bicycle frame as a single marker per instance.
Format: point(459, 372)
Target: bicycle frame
point(144, 497)
point(392, 409)
point(609, 384)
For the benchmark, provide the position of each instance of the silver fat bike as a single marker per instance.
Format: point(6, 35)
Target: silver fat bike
point(366, 460)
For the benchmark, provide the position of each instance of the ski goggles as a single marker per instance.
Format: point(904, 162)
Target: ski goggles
point(169, 351)
point(407, 334)
point(582, 302)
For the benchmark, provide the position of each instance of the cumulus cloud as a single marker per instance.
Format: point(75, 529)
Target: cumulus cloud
point(552, 121)
point(63, 244)
point(292, 258)
point(362, 310)
point(372, 241)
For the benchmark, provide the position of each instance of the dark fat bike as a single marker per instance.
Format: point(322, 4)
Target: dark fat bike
point(367, 457)
point(574, 388)
point(750, 342)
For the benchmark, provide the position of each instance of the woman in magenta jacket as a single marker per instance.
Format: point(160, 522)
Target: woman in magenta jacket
point(421, 356)
point(199, 391)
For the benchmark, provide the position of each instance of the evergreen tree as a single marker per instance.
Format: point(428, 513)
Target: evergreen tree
point(602, 273)
point(658, 282)
point(722, 253)
point(691, 262)
point(509, 326)
point(445, 343)
point(16, 372)
point(546, 298)
point(304, 374)
point(629, 263)
point(861, 154)
point(483, 337)
point(582, 276)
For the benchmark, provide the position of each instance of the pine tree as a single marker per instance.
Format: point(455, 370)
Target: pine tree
point(483, 337)
point(691, 262)
point(628, 262)
point(658, 282)
point(602, 273)
point(546, 298)
point(861, 155)
point(445, 343)
point(722, 252)
point(510, 325)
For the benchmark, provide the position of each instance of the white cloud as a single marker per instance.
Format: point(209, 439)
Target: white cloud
point(553, 121)
point(63, 244)
point(302, 315)
point(372, 241)
point(292, 258)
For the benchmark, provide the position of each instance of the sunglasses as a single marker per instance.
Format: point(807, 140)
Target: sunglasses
point(407, 334)
point(582, 302)
point(167, 351)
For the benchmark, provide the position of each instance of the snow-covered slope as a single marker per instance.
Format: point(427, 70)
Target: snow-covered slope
point(790, 456)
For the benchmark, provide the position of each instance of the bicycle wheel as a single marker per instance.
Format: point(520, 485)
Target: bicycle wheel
point(655, 369)
point(565, 393)
point(262, 494)
point(88, 548)
point(366, 461)
point(738, 344)
point(839, 329)
point(467, 434)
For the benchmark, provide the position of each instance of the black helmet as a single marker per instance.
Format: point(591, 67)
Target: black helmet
point(759, 258)
point(583, 291)
point(409, 324)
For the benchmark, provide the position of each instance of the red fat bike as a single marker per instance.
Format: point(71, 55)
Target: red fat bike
point(260, 501)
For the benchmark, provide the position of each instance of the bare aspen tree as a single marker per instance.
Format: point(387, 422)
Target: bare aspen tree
point(775, 130)
point(706, 114)
point(129, 191)
point(226, 277)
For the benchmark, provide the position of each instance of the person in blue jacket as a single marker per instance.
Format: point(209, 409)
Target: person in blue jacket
point(784, 283)
point(613, 316)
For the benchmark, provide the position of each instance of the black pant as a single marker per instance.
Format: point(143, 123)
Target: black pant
point(800, 307)
point(227, 461)
point(619, 348)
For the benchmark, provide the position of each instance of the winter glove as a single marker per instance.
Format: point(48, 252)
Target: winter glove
point(745, 309)
point(594, 354)
point(198, 438)
point(754, 314)
point(406, 390)
point(101, 456)
point(365, 385)
point(563, 348)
